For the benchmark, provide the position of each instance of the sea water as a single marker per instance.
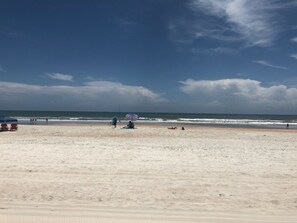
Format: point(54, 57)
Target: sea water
point(221, 120)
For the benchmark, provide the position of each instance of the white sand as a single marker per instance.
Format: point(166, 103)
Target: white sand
point(150, 174)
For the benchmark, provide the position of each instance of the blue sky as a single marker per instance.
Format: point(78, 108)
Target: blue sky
point(214, 56)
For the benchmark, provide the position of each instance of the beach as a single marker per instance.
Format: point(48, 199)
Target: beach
point(97, 173)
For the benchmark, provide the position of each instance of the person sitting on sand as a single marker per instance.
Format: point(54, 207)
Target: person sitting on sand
point(130, 125)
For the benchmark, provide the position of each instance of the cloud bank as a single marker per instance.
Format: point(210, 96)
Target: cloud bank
point(91, 96)
point(240, 96)
point(211, 96)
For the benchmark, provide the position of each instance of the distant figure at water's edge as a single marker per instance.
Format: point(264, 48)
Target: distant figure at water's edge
point(114, 121)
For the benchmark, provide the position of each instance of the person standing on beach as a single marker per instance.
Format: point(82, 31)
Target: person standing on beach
point(114, 121)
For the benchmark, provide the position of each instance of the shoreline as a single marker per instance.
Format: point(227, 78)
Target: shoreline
point(165, 119)
point(167, 125)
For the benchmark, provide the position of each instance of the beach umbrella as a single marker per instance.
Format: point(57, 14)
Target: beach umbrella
point(7, 119)
point(132, 117)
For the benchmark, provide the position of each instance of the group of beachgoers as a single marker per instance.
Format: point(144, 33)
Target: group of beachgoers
point(114, 122)
point(34, 121)
point(130, 124)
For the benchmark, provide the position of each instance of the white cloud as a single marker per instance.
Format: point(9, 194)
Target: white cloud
point(268, 64)
point(294, 56)
point(221, 34)
point(90, 78)
point(185, 31)
point(294, 39)
point(59, 76)
point(181, 31)
point(99, 96)
point(240, 96)
point(254, 21)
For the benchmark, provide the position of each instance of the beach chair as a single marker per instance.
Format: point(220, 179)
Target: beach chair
point(13, 127)
point(4, 127)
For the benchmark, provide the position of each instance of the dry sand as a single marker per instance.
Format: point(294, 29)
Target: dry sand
point(100, 174)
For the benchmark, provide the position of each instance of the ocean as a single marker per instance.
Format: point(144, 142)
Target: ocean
point(170, 119)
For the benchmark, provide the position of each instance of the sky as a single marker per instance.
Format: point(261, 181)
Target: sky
point(194, 56)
